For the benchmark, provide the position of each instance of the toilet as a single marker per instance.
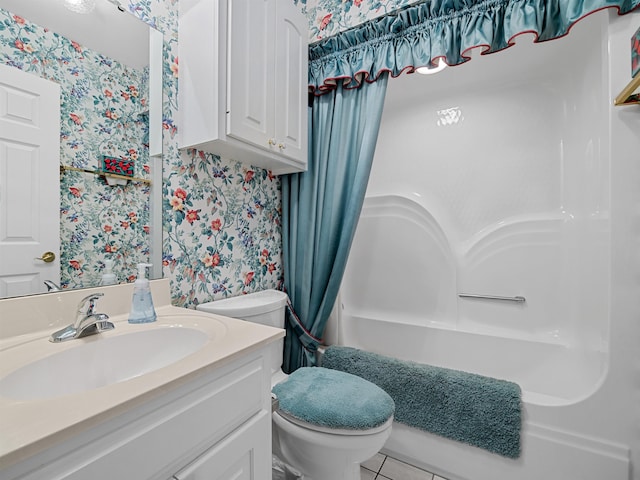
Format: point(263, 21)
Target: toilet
point(327, 421)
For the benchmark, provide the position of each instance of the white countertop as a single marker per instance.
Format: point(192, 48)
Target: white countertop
point(28, 427)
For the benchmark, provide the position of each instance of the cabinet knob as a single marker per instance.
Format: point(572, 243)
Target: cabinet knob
point(271, 142)
point(282, 146)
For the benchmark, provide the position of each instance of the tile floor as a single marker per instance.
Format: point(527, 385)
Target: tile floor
point(383, 467)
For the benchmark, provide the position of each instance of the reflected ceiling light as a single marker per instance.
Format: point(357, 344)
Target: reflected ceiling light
point(431, 70)
point(80, 6)
point(449, 116)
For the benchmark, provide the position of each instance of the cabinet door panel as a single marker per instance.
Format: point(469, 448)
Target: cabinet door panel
point(291, 82)
point(240, 456)
point(250, 71)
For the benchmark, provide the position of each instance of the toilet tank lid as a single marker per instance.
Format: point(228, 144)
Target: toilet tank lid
point(246, 305)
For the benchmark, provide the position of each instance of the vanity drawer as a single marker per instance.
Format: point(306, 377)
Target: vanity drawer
point(155, 441)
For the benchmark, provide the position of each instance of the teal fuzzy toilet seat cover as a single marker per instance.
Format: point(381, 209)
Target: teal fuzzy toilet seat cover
point(334, 399)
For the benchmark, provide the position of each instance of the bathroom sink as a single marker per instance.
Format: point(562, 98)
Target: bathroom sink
point(101, 361)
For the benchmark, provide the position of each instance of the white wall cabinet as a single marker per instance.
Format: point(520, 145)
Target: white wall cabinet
point(215, 426)
point(243, 81)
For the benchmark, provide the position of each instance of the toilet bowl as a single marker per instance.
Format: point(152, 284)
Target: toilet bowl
point(326, 455)
point(327, 422)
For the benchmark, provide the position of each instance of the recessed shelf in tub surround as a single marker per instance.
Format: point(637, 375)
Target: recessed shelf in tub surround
point(32, 427)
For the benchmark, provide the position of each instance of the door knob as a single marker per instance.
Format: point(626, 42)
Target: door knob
point(47, 257)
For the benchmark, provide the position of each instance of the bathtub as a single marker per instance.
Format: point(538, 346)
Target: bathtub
point(453, 209)
point(557, 365)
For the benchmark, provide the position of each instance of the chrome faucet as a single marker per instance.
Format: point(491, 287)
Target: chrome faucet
point(51, 286)
point(87, 321)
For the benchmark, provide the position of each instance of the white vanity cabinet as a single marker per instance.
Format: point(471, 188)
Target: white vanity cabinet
point(215, 424)
point(243, 81)
point(235, 457)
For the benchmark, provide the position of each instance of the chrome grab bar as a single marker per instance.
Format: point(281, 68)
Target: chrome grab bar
point(517, 299)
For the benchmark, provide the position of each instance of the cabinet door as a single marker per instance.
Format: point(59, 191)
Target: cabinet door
point(250, 72)
point(291, 82)
point(243, 455)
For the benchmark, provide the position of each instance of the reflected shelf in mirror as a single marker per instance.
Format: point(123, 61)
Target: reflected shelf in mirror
point(64, 168)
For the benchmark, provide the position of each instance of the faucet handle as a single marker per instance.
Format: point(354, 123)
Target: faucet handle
point(88, 304)
point(51, 286)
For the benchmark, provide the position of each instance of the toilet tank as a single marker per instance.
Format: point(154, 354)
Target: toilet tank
point(265, 307)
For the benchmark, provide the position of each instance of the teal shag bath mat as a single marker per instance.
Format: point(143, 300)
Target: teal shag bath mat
point(480, 411)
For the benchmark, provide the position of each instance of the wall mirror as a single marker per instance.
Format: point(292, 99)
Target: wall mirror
point(108, 65)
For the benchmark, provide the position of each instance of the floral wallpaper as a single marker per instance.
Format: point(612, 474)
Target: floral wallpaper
point(329, 17)
point(102, 113)
point(223, 234)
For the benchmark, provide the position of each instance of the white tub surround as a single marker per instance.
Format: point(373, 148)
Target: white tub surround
point(513, 175)
point(212, 402)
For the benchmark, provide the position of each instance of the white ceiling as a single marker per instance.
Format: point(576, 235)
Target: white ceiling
point(118, 35)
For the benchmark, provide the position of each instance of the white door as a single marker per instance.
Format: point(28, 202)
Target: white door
point(29, 182)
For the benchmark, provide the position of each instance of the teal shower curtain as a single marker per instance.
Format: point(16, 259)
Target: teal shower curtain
point(321, 207)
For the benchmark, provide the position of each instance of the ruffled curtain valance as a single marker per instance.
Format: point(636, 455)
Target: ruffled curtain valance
point(417, 35)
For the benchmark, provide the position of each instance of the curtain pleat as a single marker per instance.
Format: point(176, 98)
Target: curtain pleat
point(417, 35)
point(320, 211)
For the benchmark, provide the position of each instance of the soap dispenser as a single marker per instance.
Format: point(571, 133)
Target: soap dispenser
point(142, 310)
point(108, 277)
